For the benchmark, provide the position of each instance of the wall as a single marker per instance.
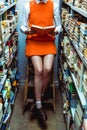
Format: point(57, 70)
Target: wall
point(21, 43)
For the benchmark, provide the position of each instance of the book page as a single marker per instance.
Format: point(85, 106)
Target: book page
point(43, 30)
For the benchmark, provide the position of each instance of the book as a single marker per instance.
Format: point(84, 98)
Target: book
point(43, 30)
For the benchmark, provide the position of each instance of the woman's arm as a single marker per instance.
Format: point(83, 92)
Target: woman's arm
point(25, 15)
point(57, 17)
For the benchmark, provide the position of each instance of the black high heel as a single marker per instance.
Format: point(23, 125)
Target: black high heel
point(41, 114)
point(33, 107)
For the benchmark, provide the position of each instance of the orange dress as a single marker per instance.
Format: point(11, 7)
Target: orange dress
point(42, 15)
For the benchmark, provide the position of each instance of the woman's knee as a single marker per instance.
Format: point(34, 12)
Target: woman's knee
point(38, 71)
point(47, 70)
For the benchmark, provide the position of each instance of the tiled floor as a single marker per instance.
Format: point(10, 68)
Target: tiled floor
point(29, 122)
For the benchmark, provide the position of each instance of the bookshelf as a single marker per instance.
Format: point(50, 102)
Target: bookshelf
point(9, 76)
point(73, 62)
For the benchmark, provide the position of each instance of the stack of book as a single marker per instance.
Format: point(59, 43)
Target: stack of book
point(78, 3)
point(83, 39)
point(7, 55)
point(7, 87)
point(12, 20)
point(8, 2)
point(2, 4)
point(1, 106)
point(84, 5)
point(64, 15)
point(73, 93)
point(10, 49)
point(1, 47)
point(66, 44)
point(2, 66)
point(81, 4)
point(68, 1)
point(78, 117)
point(79, 70)
point(85, 53)
point(84, 83)
point(1, 111)
point(5, 29)
point(74, 29)
point(69, 52)
point(8, 25)
point(16, 16)
point(71, 27)
point(77, 31)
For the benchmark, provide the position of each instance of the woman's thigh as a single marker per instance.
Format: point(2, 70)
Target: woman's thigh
point(48, 61)
point(37, 63)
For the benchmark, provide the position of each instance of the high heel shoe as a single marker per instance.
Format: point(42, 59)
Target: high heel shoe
point(33, 107)
point(41, 114)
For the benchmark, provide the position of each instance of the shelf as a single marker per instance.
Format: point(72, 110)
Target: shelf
point(9, 68)
point(74, 43)
point(13, 100)
point(80, 11)
point(80, 94)
point(80, 54)
point(1, 52)
point(69, 4)
point(73, 110)
point(61, 66)
point(3, 79)
point(8, 37)
point(4, 115)
point(72, 10)
point(7, 8)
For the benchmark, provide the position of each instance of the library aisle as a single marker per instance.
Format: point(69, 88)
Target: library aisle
point(29, 122)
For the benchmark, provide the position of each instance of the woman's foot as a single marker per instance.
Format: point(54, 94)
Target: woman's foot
point(33, 107)
point(39, 111)
point(41, 114)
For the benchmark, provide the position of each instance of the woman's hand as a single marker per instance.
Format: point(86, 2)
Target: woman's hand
point(26, 32)
point(55, 31)
point(29, 31)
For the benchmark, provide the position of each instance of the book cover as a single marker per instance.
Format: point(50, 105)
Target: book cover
point(43, 30)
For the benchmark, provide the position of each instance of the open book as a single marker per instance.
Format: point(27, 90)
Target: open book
point(43, 30)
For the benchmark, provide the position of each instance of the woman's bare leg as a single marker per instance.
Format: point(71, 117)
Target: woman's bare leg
point(42, 69)
point(37, 64)
point(48, 61)
point(38, 73)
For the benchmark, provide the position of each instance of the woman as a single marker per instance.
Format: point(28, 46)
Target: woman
point(41, 48)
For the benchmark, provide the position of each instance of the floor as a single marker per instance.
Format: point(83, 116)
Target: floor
point(29, 122)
